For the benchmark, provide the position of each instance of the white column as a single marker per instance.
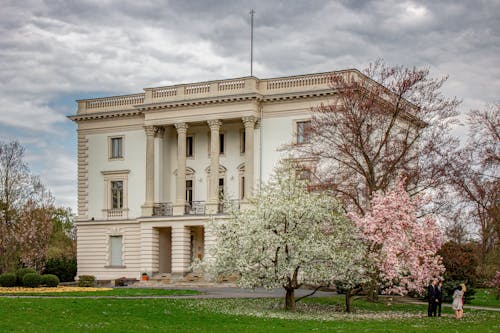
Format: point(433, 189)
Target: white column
point(158, 166)
point(180, 184)
point(249, 123)
point(147, 208)
point(181, 241)
point(213, 196)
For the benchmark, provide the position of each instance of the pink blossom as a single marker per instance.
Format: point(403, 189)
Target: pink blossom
point(403, 247)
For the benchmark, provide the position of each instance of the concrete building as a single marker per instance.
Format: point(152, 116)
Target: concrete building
point(153, 166)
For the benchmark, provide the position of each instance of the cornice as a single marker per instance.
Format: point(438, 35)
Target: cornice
point(297, 95)
point(105, 114)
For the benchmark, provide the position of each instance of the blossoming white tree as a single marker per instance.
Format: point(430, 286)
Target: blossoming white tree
point(402, 249)
point(288, 237)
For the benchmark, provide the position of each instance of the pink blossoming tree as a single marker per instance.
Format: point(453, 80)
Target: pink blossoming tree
point(402, 248)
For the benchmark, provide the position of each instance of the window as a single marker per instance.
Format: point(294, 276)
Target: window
point(242, 142)
point(221, 188)
point(116, 250)
point(115, 205)
point(221, 143)
point(116, 147)
point(117, 194)
point(304, 174)
point(303, 132)
point(189, 146)
point(242, 187)
point(189, 192)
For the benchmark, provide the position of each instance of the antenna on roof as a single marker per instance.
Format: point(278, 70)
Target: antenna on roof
point(251, 41)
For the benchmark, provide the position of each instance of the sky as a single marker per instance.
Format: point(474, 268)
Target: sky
point(54, 52)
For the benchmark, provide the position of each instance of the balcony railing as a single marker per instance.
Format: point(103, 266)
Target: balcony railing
point(226, 206)
point(163, 209)
point(191, 208)
point(195, 208)
point(115, 213)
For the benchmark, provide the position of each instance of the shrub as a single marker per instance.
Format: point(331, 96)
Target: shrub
point(21, 272)
point(32, 280)
point(86, 281)
point(64, 268)
point(50, 280)
point(8, 280)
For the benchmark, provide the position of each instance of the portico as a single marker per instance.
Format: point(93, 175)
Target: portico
point(153, 206)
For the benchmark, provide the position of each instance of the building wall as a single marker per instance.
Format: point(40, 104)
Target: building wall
point(93, 249)
point(134, 157)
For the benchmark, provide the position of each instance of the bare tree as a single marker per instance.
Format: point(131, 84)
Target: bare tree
point(25, 207)
point(386, 122)
point(474, 172)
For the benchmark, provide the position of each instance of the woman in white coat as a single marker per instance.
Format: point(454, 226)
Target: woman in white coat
point(457, 304)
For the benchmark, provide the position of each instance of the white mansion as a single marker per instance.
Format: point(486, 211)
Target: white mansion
point(153, 166)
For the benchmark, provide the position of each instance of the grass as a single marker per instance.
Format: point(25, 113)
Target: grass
point(485, 297)
point(125, 292)
point(227, 315)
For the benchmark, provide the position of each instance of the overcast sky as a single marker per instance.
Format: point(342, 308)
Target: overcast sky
point(54, 52)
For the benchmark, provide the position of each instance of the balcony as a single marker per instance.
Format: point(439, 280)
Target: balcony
point(195, 208)
point(115, 213)
point(163, 209)
point(226, 206)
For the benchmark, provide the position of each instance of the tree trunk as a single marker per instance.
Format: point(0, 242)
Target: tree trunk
point(372, 290)
point(348, 300)
point(290, 299)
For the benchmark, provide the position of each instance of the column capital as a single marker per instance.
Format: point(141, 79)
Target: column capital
point(150, 130)
point(214, 124)
point(249, 121)
point(181, 127)
point(159, 131)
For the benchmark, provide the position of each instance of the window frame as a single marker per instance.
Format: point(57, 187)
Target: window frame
point(110, 213)
point(111, 157)
point(110, 261)
point(191, 156)
point(242, 141)
point(297, 129)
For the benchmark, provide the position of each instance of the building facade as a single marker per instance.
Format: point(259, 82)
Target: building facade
point(153, 166)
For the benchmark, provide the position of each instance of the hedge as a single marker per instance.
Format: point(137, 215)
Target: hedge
point(32, 280)
point(50, 280)
point(8, 280)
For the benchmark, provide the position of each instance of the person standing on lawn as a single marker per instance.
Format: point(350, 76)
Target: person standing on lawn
point(457, 304)
point(431, 298)
point(439, 297)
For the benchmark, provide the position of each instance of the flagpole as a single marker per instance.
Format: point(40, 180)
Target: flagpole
point(251, 41)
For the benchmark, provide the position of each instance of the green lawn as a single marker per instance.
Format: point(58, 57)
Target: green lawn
point(114, 292)
point(485, 297)
point(227, 315)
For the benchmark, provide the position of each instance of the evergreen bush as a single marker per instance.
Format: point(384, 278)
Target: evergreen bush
point(8, 280)
point(50, 280)
point(20, 273)
point(64, 268)
point(86, 280)
point(32, 280)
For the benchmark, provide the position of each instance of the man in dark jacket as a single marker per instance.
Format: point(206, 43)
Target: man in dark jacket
point(432, 299)
point(439, 297)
